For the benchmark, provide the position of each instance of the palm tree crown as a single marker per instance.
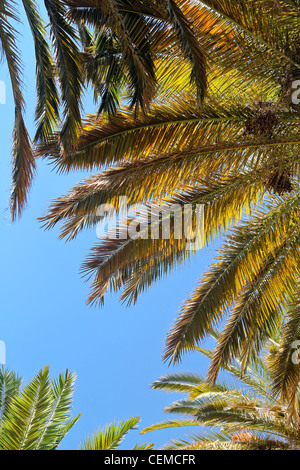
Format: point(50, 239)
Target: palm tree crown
point(237, 154)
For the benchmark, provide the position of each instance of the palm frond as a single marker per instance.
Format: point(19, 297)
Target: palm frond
point(177, 382)
point(47, 108)
point(23, 160)
point(170, 424)
point(145, 446)
point(111, 436)
point(58, 419)
point(37, 416)
point(9, 387)
point(125, 137)
point(27, 413)
point(258, 312)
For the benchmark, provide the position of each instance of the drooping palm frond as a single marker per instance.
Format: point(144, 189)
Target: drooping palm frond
point(68, 69)
point(23, 164)
point(47, 108)
point(111, 436)
point(115, 261)
point(145, 31)
point(163, 131)
point(240, 261)
point(23, 160)
point(226, 33)
point(103, 68)
point(226, 196)
point(131, 34)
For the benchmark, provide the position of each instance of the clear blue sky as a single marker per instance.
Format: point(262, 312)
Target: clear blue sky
point(115, 351)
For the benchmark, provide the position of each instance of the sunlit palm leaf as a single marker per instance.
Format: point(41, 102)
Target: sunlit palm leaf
point(9, 387)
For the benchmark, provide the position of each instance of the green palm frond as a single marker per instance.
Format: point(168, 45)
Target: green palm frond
point(68, 70)
point(178, 382)
point(103, 68)
point(62, 391)
point(146, 32)
point(131, 34)
point(27, 412)
point(145, 446)
point(256, 376)
point(111, 436)
point(9, 387)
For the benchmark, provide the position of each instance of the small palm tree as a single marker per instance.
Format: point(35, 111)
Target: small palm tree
point(242, 411)
point(38, 416)
point(237, 154)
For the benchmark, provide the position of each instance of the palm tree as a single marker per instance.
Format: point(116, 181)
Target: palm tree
point(38, 415)
point(239, 412)
point(111, 436)
point(237, 154)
